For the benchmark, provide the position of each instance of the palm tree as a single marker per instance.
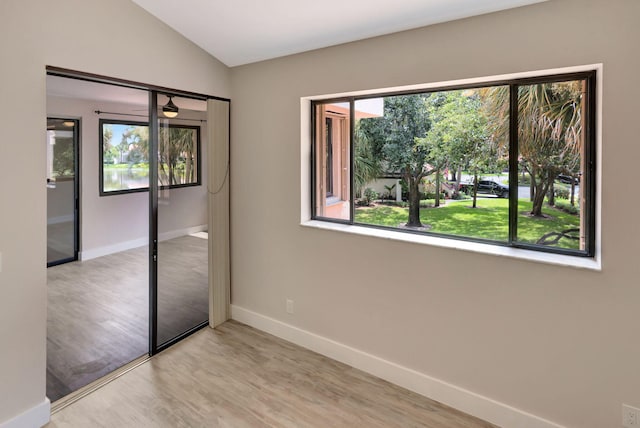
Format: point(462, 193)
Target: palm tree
point(366, 165)
point(549, 131)
point(176, 146)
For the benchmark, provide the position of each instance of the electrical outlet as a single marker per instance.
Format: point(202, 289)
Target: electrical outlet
point(630, 416)
point(289, 306)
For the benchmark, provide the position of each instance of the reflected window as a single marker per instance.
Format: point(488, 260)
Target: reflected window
point(125, 156)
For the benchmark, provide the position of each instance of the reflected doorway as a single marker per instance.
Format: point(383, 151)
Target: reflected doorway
point(62, 190)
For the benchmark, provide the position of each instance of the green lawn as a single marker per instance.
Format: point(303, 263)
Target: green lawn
point(489, 220)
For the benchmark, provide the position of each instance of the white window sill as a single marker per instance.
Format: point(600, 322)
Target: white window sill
point(516, 253)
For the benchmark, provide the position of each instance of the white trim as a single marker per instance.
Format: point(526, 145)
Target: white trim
point(459, 82)
point(459, 398)
point(60, 219)
point(594, 263)
point(36, 416)
point(136, 243)
point(476, 247)
point(165, 236)
point(111, 249)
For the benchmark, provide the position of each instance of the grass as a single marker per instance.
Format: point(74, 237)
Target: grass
point(488, 221)
point(111, 166)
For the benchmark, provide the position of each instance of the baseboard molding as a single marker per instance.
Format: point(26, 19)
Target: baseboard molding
point(181, 232)
point(36, 416)
point(111, 249)
point(136, 243)
point(459, 398)
point(61, 219)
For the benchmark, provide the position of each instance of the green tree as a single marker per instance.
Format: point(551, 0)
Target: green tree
point(177, 155)
point(135, 143)
point(459, 135)
point(549, 131)
point(399, 137)
point(366, 159)
point(109, 152)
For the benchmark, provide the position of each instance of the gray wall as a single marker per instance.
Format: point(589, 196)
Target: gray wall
point(558, 342)
point(110, 37)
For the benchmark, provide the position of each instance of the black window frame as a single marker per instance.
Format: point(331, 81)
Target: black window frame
point(198, 161)
point(588, 180)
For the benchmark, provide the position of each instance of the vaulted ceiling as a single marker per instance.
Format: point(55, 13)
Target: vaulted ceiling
point(239, 32)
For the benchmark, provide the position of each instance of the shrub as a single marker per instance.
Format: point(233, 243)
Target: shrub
point(561, 192)
point(524, 180)
point(567, 207)
point(427, 195)
point(369, 195)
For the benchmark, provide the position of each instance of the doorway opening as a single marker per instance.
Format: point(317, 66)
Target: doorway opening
point(139, 278)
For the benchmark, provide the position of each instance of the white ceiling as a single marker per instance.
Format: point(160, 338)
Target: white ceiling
point(244, 31)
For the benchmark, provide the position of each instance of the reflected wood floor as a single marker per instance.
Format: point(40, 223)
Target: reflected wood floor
point(236, 376)
point(98, 310)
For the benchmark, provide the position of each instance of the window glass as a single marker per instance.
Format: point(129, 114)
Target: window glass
point(510, 163)
point(551, 154)
point(178, 147)
point(429, 162)
point(125, 156)
point(332, 161)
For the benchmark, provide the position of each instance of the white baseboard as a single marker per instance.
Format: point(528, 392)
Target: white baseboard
point(135, 243)
point(61, 219)
point(36, 416)
point(181, 232)
point(111, 249)
point(459, 398)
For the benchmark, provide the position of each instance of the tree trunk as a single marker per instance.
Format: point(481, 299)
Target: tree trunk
point(414, 202)
point(171, 176)
point(437, 204)
point(573, 192)
point(475, 189)
point(187, 169)
point(457, 180)
point(538, 199)
point(552, 194)
point(532, 188)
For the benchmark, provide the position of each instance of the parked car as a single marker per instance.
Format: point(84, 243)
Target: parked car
point(567, 179)
point(487, 187)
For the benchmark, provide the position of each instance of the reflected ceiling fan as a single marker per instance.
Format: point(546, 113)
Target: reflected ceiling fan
point(169, 110)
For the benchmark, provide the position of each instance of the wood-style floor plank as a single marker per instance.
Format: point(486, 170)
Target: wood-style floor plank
point(236, 376)
point(98, 310)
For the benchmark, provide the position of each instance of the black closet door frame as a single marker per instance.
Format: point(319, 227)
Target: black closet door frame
point(154, 132)
point(153, 223)
point(76, 192)
point(153, 90)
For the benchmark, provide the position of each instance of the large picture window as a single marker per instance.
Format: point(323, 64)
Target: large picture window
point(510, 163)
point(125, 156)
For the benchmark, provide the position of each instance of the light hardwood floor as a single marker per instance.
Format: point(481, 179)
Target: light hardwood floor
point(97, 315)
point(236, 376)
